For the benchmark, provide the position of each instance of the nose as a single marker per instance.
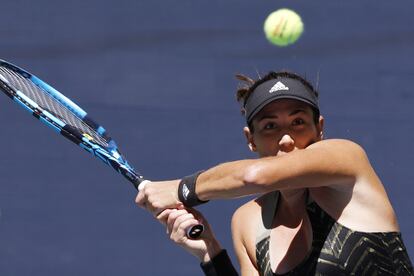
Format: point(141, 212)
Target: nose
point(286, 143)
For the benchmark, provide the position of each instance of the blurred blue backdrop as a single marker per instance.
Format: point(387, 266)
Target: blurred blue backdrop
point(159, 75)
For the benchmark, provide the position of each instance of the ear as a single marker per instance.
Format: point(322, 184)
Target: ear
point(249, 138)
point(319, 127)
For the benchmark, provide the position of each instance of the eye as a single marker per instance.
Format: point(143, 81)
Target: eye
point(270, 125)
point(298, 122)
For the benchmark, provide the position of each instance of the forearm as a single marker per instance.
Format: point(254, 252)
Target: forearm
point(307, 168)
point(311, 167)
point(227, 180)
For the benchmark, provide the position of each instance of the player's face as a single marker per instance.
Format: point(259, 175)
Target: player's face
point(283, 126)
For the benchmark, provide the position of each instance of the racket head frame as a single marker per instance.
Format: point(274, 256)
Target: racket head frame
point(107, 152)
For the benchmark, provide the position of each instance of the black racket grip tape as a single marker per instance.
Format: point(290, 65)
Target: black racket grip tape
point(193, 232)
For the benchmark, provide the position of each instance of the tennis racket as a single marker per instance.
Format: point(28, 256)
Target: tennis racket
point(65, 117)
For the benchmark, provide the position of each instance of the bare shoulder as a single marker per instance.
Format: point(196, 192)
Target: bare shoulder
point(339, 145)
point(342, 149)
point(245, 222)
point(245, 217)
point(360, 202)
point(244, 229)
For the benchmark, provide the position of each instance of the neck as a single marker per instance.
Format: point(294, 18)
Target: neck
point(294, 201)
point(294, 197)
point(291, 208)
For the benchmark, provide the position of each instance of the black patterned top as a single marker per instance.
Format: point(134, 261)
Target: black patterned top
point(338, 250)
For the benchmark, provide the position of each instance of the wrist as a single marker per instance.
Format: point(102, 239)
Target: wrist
point(219, 265)
point(213, 249)
point(176, 184)
point(187, 190)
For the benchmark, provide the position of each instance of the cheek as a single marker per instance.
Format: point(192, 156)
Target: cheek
point(307, 137)
point(267, 146)
point(264, 140)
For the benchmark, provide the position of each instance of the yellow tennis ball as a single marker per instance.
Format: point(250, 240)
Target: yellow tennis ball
point(283, 27)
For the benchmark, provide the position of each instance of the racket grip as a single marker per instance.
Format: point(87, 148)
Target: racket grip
point(193, 232)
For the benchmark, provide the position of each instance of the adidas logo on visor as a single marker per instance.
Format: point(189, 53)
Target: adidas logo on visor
point(278, 86)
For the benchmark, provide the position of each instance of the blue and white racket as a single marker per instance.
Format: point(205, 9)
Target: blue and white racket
point(65, 117)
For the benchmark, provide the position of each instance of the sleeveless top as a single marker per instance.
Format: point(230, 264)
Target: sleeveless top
point(336, 249)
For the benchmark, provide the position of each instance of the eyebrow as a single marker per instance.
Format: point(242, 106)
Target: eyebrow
point(299, 110)
point(294, 112)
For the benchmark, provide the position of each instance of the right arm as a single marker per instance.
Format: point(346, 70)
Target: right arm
point(214, 260)
point(178, 221)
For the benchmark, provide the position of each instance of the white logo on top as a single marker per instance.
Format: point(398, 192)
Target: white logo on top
point(186, 191)
point(278, 86)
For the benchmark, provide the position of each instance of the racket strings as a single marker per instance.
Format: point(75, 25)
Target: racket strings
point(50, 104)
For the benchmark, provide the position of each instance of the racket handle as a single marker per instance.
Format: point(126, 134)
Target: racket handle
point(193, 232)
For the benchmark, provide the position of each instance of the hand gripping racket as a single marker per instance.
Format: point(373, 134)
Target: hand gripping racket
point(62, 115)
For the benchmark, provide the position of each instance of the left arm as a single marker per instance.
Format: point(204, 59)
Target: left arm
point(329, 162)
point(325, 163)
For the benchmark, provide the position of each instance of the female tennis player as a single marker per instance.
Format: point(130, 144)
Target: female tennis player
point(321, 210)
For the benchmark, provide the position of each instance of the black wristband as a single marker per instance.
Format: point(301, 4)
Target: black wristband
point(186, 191)
point(220, 265)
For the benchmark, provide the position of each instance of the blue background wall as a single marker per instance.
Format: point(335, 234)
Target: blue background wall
point(159, 76)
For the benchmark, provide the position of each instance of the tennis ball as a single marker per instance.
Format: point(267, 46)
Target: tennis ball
point(283, 27)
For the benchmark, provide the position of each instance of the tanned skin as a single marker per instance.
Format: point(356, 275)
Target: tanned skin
point(293, 158)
